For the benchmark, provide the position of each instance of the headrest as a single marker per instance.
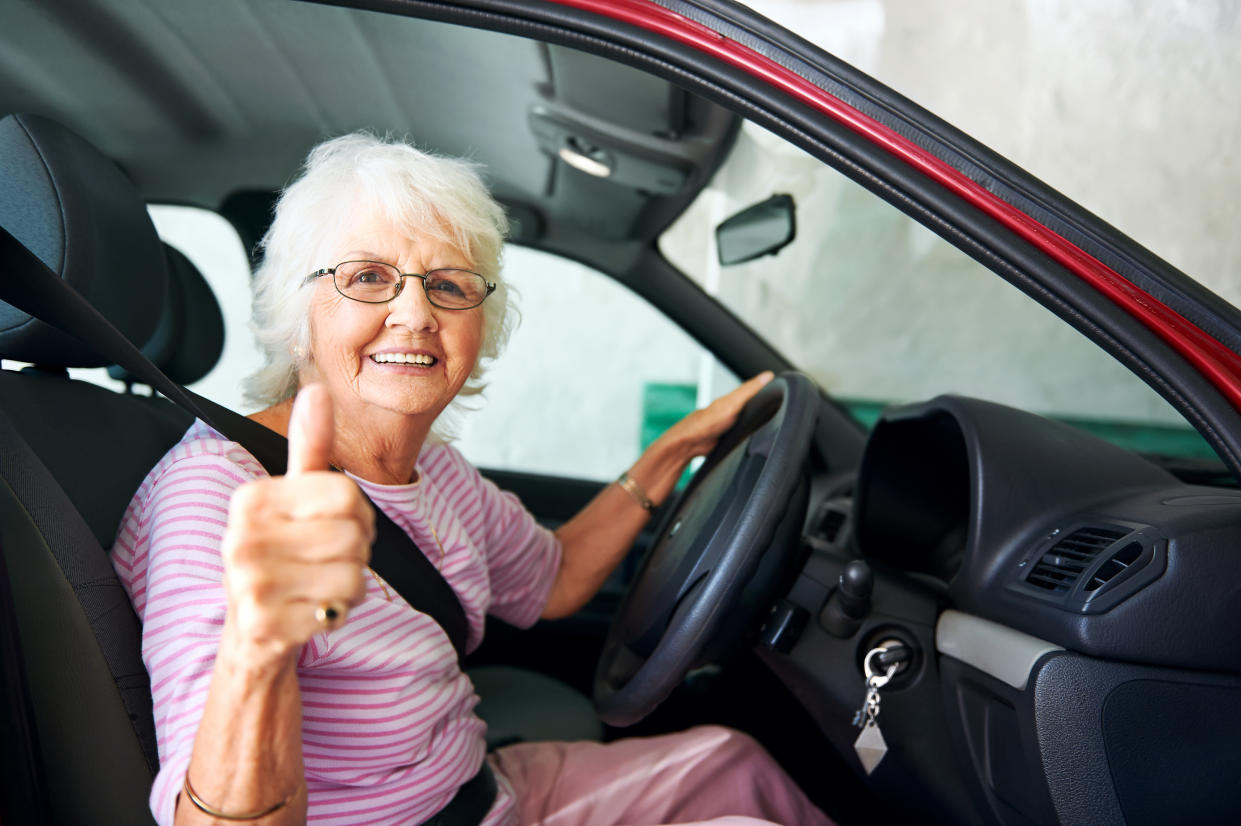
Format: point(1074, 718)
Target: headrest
point(76, 211)
point(189, 337)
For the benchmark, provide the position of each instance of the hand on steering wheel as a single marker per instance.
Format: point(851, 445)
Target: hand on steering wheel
point(718, 555)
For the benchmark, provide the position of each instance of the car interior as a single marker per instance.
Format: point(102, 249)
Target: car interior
point(1046, 614)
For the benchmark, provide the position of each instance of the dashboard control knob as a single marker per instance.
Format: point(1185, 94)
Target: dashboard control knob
point(855, 585)
point(850, 603)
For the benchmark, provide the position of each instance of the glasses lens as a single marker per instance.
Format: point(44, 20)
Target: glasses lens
point(367, 280)
point(456, 289)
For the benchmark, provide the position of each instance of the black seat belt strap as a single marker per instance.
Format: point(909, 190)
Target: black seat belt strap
point(53, 301)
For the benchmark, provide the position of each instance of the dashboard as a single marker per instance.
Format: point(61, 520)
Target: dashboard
point(1051, 531)
point(1066, 600)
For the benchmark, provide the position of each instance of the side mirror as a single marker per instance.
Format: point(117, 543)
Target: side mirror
point(762, 229)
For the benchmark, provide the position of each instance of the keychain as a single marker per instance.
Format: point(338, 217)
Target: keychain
point(870, 745)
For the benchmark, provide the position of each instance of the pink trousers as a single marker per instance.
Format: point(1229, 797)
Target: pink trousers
point(707, 775)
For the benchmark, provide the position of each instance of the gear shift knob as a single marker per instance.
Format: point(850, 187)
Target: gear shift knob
point(855, 586)
point(849, 604)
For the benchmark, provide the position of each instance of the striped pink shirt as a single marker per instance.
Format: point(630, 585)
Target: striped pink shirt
point(388, 731)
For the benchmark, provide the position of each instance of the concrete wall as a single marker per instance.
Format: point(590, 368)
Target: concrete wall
point(1125, 109)
point(1130, 107)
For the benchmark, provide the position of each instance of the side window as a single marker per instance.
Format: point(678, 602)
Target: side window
point(590, 376)
point(882, 311)
point(213, 246)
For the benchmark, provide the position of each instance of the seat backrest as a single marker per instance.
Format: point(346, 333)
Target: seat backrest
point(82, 744)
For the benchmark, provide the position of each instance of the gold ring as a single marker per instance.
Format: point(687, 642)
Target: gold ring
point(331, 615)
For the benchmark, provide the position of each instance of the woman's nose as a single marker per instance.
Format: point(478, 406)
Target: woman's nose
point(411, 308)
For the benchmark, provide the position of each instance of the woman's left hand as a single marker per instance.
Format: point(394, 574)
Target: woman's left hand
point(595, 540)
point(697, 433)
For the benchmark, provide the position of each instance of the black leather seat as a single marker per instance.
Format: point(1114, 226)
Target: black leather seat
point(80, 744)
point(77, 737)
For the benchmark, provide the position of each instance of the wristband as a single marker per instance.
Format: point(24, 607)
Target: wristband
point(208, 809)
point(635, 490)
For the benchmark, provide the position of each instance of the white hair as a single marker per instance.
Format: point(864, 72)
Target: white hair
point(419, 193)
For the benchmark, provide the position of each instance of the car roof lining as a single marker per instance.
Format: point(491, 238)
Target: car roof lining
point(197, 101)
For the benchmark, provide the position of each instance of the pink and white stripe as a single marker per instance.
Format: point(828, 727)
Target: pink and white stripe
point(389, 731)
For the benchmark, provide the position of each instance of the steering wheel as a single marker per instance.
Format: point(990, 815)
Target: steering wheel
point(718, 557)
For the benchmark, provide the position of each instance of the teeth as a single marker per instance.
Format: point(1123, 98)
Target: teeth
point(403, 358)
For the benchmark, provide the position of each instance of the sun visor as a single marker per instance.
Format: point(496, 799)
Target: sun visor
point(587, 148)
point(627, 149)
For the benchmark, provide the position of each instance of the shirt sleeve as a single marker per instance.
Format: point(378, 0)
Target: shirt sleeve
point(181, 602)
point(522, 556)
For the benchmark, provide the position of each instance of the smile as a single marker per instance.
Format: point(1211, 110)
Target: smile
point(420, 359)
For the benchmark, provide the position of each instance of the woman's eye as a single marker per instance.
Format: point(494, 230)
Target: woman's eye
point(445, 285)
point(369, 277)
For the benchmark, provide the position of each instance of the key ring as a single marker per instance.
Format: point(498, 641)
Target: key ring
point(874, 678)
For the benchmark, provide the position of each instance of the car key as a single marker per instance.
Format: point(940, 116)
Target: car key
point(870, 745)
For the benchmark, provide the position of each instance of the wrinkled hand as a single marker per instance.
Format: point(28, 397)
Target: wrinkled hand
point(698, 432)
point(297, 541)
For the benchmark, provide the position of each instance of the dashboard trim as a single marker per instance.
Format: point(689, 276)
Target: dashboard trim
point(993, 649)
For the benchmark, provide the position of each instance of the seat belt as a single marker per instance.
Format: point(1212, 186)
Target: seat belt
point(473, 800)
point(394, 556)
point(394, 553)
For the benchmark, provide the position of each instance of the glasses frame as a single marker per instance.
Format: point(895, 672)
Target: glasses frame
point(400, 283)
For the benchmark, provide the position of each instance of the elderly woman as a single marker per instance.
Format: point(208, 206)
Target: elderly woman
point(290, 681)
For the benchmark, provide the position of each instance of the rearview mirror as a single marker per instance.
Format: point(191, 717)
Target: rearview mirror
point(761, 229)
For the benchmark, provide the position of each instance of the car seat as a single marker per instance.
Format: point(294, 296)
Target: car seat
point(77, 737)
point(80, 742)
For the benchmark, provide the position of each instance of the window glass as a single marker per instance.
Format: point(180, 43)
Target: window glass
point(880, 310)
point(591, 375)
point(213, 246)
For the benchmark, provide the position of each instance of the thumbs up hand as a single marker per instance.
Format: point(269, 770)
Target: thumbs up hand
point(310, 431)
point(297, 546)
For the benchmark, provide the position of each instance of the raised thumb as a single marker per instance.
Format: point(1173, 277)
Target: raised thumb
point(310, 430)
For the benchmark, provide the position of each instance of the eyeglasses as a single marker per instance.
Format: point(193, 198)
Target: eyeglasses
point(374, 282)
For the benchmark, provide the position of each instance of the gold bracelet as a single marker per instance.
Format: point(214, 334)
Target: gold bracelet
point(206, 808)
point(635, 490)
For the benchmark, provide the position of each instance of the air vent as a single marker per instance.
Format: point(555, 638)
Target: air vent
point(1114, 567)
point(1063, 563)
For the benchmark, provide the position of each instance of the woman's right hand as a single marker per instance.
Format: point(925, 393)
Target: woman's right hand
point(296, 542)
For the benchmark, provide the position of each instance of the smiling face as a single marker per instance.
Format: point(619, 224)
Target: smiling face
point(405, 358)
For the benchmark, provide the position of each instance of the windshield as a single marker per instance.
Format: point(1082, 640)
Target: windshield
point(880, 311)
